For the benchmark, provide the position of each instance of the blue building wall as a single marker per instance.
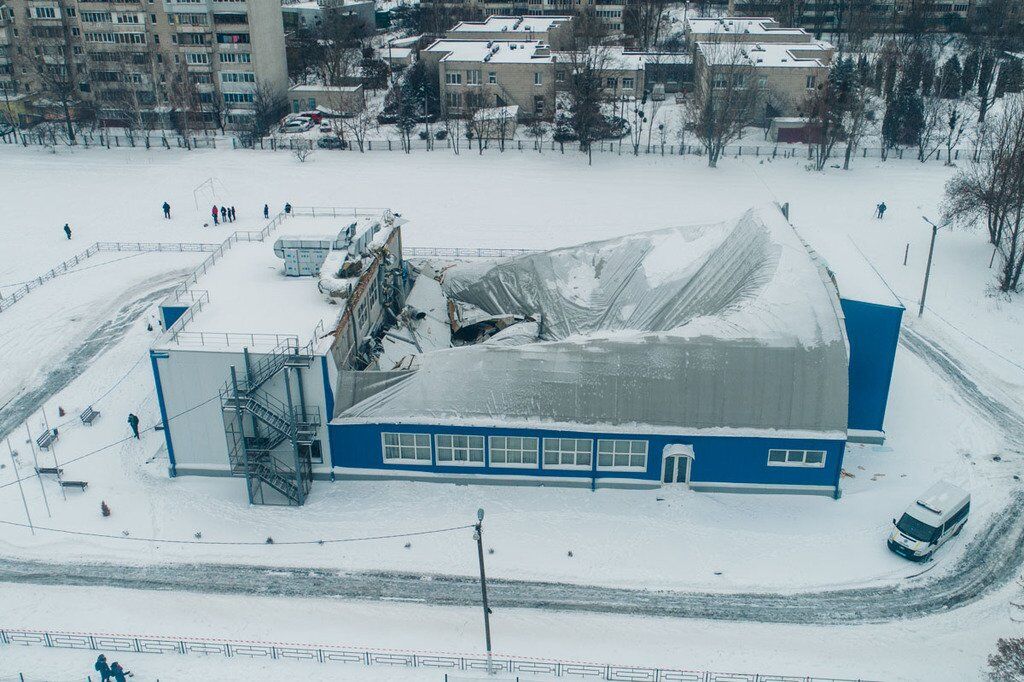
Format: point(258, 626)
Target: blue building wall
point(171, 313)
point(718, 459)
point(874, 332)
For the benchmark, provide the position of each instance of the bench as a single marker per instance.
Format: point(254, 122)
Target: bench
point(88, 415)
point(49, 470)
point(46, 438)
point(81, 485)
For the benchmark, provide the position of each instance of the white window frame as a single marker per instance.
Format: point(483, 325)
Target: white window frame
point(492, 77)
point(627, 84)
point(557, 448)
point(634, 448)
point(444, 443)
point(520, 451)
point(538, 78)
point(811, 81)
point(453, 78)
point(415, 447)
point(473, 77)
point(797, 458)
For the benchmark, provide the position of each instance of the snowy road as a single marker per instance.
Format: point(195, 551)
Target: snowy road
point(993, 559)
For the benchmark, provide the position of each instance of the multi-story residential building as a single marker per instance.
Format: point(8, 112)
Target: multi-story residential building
point(475, 74)
point(552, 30)
point(871, 15)
point(310, 14)
point(157, 57)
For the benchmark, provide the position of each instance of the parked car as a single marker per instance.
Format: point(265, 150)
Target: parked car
point(331, 143)
point(387, 117)
point(935, 517)
point(296, 126)
point(314, 116)
point(326, 127)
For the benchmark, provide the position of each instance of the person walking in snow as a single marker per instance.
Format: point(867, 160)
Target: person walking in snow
point(232, 212)
point(881, 210)
point(67, 231)
point(103, 668)
point(118, 673)
point(167, 211)
point(287, 209)
point(266, 211)
point(213, 212)
point(133, 421)
point(223, 214)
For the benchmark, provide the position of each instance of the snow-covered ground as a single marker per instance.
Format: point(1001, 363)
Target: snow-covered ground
point(665, 540)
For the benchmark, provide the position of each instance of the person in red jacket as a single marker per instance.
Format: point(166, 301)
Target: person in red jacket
point(215, 213)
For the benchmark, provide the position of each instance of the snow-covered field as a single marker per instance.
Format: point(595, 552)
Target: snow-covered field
point(661, 540)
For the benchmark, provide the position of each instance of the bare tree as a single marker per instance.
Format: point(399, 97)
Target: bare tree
point(929, 138)
point(724, 98)
point(57, 71)
point(339, 49)
point(992, 189)
point(183, 97)
point(537, 130)
point(302, 151)
point(1007, 664)
point(954, 124)
point(268, 105)
point(644, 20)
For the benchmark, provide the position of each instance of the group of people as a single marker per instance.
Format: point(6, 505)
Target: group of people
point(227, 214)
point(113, 671)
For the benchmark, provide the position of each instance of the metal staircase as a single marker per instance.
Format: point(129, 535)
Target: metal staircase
point(269, 439)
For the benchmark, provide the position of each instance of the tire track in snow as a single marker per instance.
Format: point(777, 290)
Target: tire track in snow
point(990, 561)
point(77, 360)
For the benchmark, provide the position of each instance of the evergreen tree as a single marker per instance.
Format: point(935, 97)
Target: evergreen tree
point(904, 116)
point(927, 76)
point(970, 72)
point(1010, 77)
point(985, 71)
point(952, 77)
point(889, 82)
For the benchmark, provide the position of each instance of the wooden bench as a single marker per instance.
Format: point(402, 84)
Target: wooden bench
point(81, 485)
point(46, 438)
point(88, 415)
point(49, 470)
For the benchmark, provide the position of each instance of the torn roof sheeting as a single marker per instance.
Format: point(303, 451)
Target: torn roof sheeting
point(729, 327)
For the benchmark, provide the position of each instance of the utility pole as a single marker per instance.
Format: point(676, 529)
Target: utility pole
point(478, 535)
point(928, 268)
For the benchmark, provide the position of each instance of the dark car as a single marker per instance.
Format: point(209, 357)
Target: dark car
point(331, 143)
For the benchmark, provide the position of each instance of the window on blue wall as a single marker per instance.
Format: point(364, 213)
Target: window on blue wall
point(621, 454)
point(796, 458)
point(567, 453)
point(406, 447)
point(513, 451)
point(453, 449)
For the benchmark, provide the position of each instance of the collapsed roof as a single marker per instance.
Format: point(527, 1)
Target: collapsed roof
point(731, 328)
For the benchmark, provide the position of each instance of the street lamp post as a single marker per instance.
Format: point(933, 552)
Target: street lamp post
point(928, 268)
point(478, 535)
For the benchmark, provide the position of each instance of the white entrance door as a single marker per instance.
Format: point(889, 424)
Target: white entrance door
point(676, 469)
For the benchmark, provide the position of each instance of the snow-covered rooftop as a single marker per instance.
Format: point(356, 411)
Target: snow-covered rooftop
point(524, 26)
point(752, 26)
point(802, 55)
point(496, 51)
point(732, 327)
point(243, 297)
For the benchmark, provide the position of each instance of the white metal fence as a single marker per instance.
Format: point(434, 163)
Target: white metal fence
point(454, 252)
point(63, 268)
point(86, 140)
point(387, 658)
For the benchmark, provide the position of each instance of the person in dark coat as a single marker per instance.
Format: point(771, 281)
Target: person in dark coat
point(232, 212)
point(223, 214)
point(266, 211)
point(881, 210)
point(67, 230)
point(213, 212)
point(118, 673)
point(287, 209)
point(103, 668)
point(133, 421)
point(167, 210)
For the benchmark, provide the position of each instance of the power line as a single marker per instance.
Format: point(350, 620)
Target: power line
point(250, 543)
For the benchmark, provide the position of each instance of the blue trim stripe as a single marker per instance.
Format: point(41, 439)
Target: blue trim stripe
point(163, 413)
point(328, 391)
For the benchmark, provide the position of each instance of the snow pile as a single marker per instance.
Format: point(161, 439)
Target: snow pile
point(728, 326)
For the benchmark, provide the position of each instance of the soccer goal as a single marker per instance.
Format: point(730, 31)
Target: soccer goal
point(208, 191)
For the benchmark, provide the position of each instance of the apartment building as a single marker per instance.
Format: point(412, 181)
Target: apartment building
point(551, 30)
point(161, 56)
point(475, 74)
point(823, 15)
point(742, 30)
point(787, 74)
point(311, 14)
